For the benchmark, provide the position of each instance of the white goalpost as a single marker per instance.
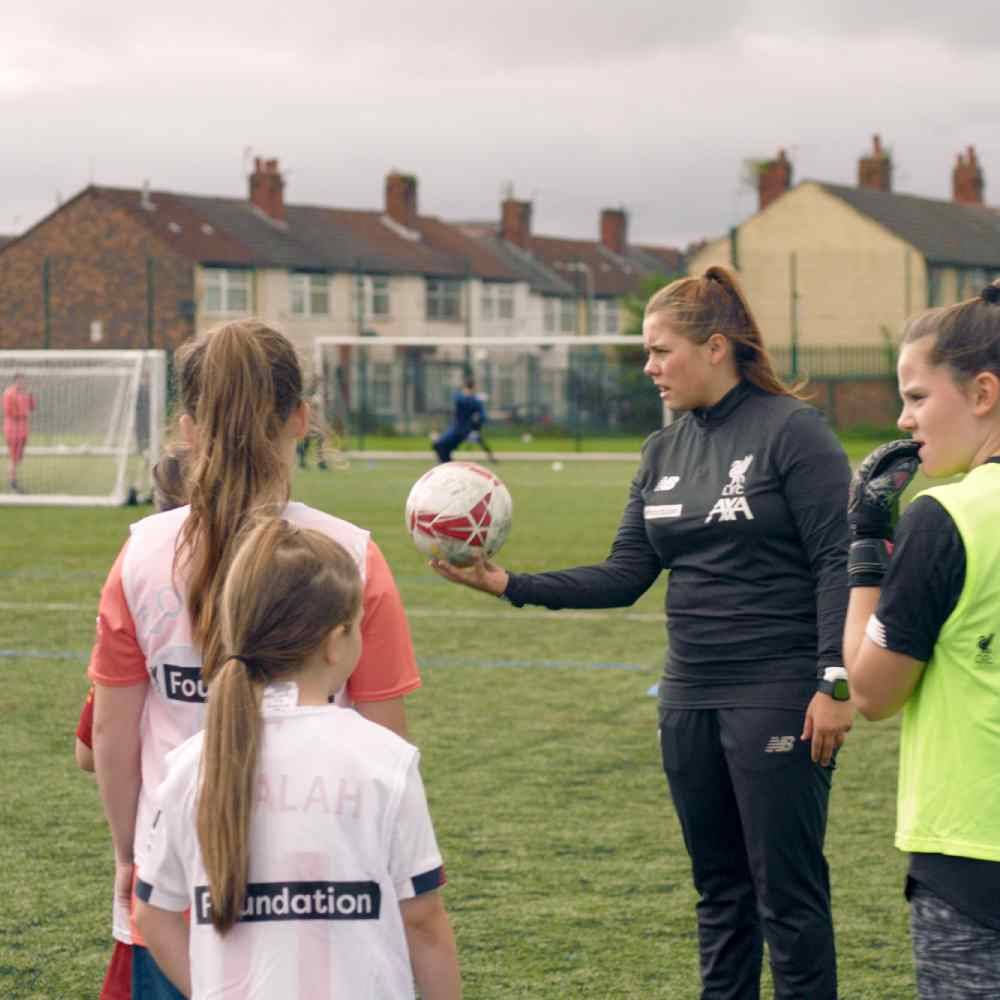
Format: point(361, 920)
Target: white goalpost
point(94, 425)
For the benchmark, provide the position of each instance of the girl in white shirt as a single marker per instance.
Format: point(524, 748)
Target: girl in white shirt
point(296, 831)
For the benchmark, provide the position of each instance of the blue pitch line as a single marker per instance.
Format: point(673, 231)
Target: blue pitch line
point(431, 661)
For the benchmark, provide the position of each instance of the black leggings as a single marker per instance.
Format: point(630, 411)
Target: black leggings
point(752, 807)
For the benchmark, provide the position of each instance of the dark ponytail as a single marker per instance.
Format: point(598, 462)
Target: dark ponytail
point(966, 335)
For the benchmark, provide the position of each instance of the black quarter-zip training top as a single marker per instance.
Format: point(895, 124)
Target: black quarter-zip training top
point(745, 504)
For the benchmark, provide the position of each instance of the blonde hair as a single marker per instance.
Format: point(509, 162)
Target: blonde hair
point(966, 335)
point(287, 589)
point(714, 303)
point(239, 383)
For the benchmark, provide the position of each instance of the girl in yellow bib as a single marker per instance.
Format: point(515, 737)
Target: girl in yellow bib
point(921, 637)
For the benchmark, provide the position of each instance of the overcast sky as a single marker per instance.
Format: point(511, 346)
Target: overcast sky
point(648, 104)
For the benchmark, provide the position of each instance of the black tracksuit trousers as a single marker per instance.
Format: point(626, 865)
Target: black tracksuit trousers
point(752, 807)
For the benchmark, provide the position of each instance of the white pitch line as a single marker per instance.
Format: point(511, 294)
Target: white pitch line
point(44, 606)
point(536, 615)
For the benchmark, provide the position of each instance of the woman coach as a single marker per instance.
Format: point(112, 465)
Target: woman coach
point(742, 499)
point(921, 637)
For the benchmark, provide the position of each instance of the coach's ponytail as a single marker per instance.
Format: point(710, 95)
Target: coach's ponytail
point(239, 384)
point(287, 589)
point(714, 303)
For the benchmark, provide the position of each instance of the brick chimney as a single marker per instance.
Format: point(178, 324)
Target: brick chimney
point(875, 171)
point(267, 189)
point(967, 179)
point(774, 178)
point(515, 222)
point(401, 199)
point(614, 226)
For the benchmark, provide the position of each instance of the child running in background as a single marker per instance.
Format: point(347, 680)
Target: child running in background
point(295, 830)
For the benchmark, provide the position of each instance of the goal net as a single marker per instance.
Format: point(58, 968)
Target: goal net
point(90, 427)
point(571, 392)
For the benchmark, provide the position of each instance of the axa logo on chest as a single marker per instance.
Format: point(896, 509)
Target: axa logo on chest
point(184, 683)
point(732, 501)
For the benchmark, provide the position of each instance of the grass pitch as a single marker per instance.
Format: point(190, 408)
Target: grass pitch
point(567, 874)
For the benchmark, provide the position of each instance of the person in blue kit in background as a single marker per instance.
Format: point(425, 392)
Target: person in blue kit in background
point(742, 498)
point(469, 417)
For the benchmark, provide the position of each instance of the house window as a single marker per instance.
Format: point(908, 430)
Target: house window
point(444, 299)
point(497, 301)
point(375, 292)
point(382, 388)
point(549, 306)
point(567, 315)
point(505, 302)
point(226, 291)
point(611, 319)
point(976, 279)
point(310, 294)
point(379, 296)
point(934, 277)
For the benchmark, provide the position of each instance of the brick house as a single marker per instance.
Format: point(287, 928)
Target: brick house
point(117, 267)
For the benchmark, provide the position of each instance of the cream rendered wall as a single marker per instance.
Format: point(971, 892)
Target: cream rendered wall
point(854, 278)
point(713, 254)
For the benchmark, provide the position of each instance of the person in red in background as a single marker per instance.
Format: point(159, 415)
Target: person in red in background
point(17, 406)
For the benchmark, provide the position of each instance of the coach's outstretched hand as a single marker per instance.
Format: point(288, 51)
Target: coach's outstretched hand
point(481, 575)
point(877, 485)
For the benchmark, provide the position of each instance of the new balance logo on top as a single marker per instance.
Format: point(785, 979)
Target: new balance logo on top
point(666, 483)
point(780, 744)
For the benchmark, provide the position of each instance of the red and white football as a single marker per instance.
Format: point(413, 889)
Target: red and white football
point(459, 510)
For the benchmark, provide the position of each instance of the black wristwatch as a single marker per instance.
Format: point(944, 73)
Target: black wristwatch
point(834, 683)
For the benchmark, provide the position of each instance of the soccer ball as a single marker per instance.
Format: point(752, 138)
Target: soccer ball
point(457, 511)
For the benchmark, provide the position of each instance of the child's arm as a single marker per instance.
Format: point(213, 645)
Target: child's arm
point(117, 713)
point(432, 947)
point(166, 936)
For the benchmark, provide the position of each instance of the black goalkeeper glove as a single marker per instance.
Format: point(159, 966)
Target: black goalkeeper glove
point(872, 498)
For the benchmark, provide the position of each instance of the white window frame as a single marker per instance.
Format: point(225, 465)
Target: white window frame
point(443, 299)
point(550, 314)
point(487, 302)
point(306, 287)
point(228, 283)
point(377, 288)
point(567, 315)
point(612, 317)
point(505, 302)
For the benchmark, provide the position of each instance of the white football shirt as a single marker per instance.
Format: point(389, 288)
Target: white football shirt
point(340, 834)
